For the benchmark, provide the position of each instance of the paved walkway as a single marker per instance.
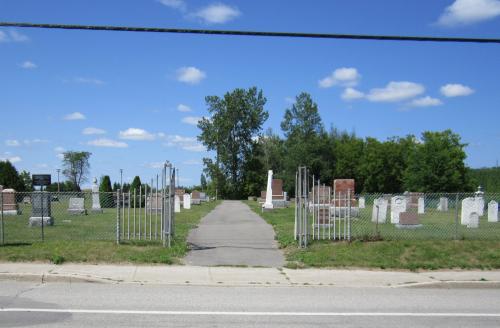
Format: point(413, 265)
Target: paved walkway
point(232, 234)
point(230, 276)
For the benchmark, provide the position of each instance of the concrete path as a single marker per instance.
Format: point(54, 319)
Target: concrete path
point(232, 234)
point(232, 276)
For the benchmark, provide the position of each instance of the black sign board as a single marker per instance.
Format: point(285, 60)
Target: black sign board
point(41, 179)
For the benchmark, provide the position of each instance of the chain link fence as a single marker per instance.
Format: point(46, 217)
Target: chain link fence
point(410, 216)
point(445, 216)
point(321, 213)
point(28, 217)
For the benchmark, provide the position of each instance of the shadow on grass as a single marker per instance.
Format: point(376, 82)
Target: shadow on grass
point(15, 244)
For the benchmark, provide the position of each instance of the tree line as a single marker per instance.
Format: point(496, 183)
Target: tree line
point(243, 152)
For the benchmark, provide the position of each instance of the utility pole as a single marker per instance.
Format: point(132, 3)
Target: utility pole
point(121, 179)
point(58, 186)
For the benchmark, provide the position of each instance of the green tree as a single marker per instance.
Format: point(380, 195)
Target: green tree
point(105, 185)
point(272, 152)
point(9, 177)
point(25, 176)
point(136, 183)
point(305, 140)
point(76, 167)
point(437, 164)
point(234, 120)
point(203, 182)
point(106, 197)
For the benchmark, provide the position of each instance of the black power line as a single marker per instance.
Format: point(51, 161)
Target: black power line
point(252, 33)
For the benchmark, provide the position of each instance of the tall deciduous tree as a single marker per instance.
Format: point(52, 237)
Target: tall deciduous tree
point(76, 167)
point(303, 131)
point(437, 164)
point(234, 120)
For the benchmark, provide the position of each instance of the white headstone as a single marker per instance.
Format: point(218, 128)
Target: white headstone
point(421, 205)
point(493, 211)
point(186, 201)
point(269, 191)
point(443, 204)
point(398, 205)
point(480, 205)
point(361, 202)
point(473, 220)
point(177, 204)
point(468, 207)
point(96, 204)
point(76, 206)
point(379, 211)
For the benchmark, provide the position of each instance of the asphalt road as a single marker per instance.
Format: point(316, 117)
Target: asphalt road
point(123, 305)
point(232, 234)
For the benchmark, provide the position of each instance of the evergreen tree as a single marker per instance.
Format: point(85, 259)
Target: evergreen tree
point(9, 177)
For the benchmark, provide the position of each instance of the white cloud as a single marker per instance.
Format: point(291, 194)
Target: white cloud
point(29, 142)
point(195, 148)
point(60, 156)
point(192, 162)
point(186, 143)
point(74, 116)
point(456, 90)
point(174, 4)
point(155, 165)
point(289, 100)
point(28, 65)
point(136, 134)
point(192, 120)
point(12, 36)
point(183, 108)
point(217, 13)
point(17, 36)
point(59, 149)
point(352, 94)
point(465, 12)
point(8, 157)
point(12, 143)
point(190, 75)
point(103, 142)
point(426, 101)
point(344, 76)
point(91, 130)
point(86, 80)
point(395, 91)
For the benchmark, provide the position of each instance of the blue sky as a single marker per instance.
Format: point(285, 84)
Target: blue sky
point(132, 99)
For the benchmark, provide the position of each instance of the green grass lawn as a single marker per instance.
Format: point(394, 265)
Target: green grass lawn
point(430, 247)
point(92, 238)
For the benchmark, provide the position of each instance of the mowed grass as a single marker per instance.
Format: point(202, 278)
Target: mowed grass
point(92, 238)
point(430, 247)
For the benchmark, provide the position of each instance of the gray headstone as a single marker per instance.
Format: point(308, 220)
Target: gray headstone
point(76, 206)
point(443, 204)
point(40, 206)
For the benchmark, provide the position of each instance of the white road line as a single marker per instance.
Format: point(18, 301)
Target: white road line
point(260, 314)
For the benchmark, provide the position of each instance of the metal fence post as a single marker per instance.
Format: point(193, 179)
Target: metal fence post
point(456, 217)
point(118, 216)
point(1, 218)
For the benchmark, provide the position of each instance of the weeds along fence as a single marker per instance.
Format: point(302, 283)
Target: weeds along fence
point(322, 213)
point(145, 214)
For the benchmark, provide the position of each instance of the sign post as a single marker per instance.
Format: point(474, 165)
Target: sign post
point(42, 180)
